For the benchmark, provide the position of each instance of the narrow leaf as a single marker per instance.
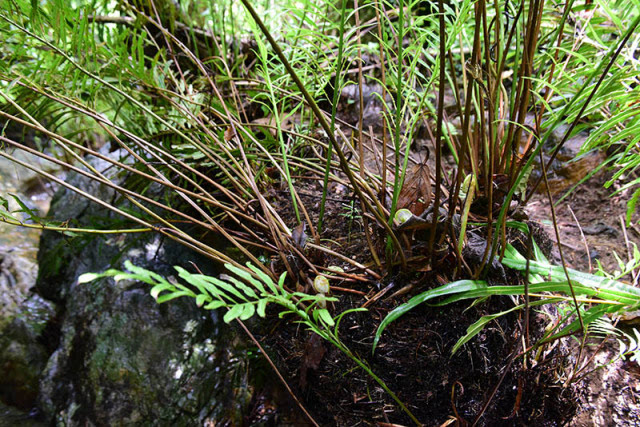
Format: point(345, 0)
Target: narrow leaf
point(213, 305)
point(248, 311)
point(262, 307)
point(201, 299)
point(233, 313)
point(450, 288)
point(172, 295)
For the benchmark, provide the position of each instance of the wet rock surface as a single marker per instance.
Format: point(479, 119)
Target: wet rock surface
point(24, 352)
point(19, 245)
point(11, 416)
point(17, 274)
point(106, 353)
point(24, 316)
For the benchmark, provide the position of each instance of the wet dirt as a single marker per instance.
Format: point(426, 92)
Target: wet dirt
point(590, 221)
point(479, 383)
point(592, 232)
point(414, 360)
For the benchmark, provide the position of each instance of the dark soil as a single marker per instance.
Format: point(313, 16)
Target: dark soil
point(610, 395)
point(486, 381)
point(414, 359)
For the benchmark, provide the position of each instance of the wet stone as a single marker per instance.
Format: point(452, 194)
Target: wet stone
point(105, 353)
point(17, 275)
point(23, 353)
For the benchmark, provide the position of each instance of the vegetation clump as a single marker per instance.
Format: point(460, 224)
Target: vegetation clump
point(364, 163)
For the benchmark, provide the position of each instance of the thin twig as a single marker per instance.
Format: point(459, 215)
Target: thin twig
point(584, 239)
point(377, 212)
point(564, 263)
point(360, 142)
point(439, 123)
point(277, 372)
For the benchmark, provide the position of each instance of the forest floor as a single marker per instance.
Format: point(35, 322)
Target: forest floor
point(487, 381)
point(611, 394)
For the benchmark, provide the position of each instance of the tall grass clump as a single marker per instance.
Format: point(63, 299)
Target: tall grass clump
point(234, 109)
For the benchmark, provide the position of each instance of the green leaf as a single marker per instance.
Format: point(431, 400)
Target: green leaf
point(33, 216)
point(249, 310)
point(302, 297)
point(262, 307)
point(479, 325)
point(601, 286)
point(631, 205)
point(224, 285)
point(537, 253)
point(326, 316)
point(184, 289)
point(130, 276)
point(475, 328)
point(589, 316)
point(233, 313)
point(172, 295)
point(450, 288)
point(88, 277)
point(265, 278)
point(144, 275)
point(213, 305)
point(246, 276)
point(201, 299)
point(8, 216)
point(281, 282)
point(157, 290)
point(240, 285)
point(284, 313)
point(202, 285)
point(200, 282)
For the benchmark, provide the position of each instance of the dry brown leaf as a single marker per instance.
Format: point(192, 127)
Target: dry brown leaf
point(416, 191)
point(314, 351)
point(229, 134)
point(299, 236)
point(269, 124)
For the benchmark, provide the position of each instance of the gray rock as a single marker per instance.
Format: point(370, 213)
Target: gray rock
point(122, 358)
point(24, 353)
point(17, 275)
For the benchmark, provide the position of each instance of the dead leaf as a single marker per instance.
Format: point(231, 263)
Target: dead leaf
point(229, 134)
point(500, 185)
point(416, 191)
point(299, 236)
point(268, 124)
point(314, 352)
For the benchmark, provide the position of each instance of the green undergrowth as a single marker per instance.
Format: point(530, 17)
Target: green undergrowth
point(242, 301)
point(237, 111)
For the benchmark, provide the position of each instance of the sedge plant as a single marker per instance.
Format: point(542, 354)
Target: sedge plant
point(174, 87)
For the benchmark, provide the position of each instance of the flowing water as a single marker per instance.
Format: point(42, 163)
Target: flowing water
point(19, 245)
point(18, 250)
